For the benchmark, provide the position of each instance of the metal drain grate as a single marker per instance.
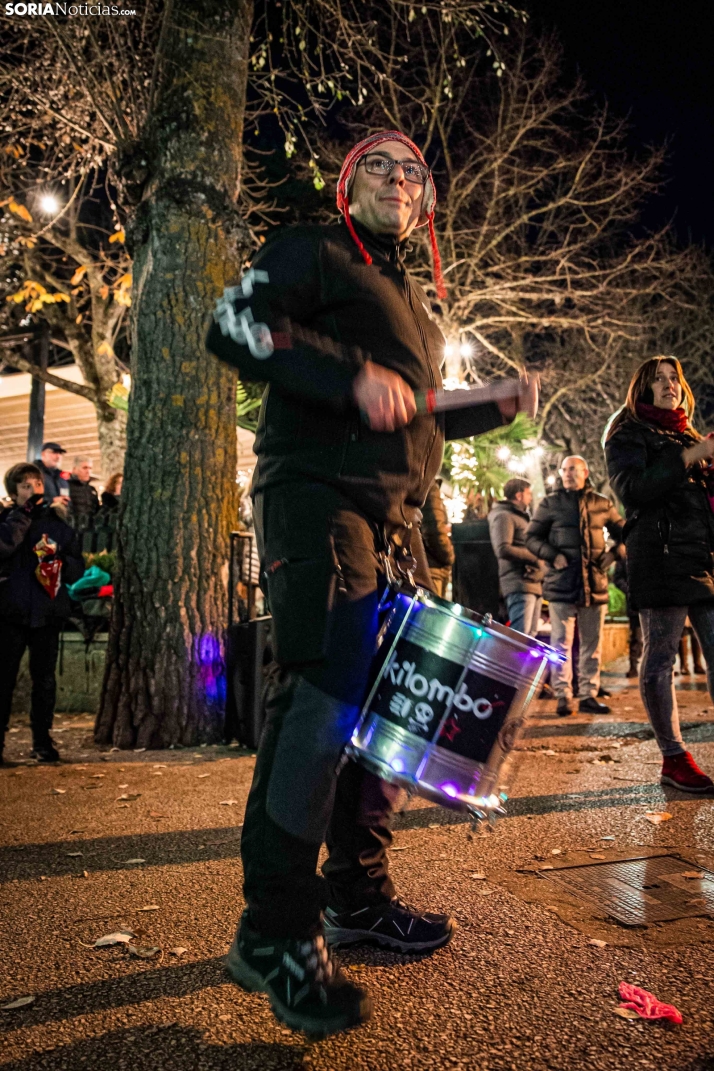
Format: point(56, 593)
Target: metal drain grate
point(641, 890)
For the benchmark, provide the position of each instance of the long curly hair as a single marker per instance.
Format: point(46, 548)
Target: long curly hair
point(640, 390)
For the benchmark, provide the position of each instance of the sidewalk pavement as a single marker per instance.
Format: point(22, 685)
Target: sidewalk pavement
point(149, 841)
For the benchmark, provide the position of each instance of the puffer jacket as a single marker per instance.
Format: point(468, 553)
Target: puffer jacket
point(572, 523)
point(518, 568)
point(435, 531)
point(670, 526)
point(305, 318)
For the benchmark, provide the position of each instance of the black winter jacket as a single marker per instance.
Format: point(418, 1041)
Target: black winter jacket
point(309, 427)
point(670, 526)
point(571, 523)
point(519, 570)
point(83, 496)
point(23, 600)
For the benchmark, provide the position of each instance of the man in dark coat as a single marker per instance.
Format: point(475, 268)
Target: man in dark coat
point(84, 497)
point(39, 556)
point(55, 481)
point(436, 539)
point(332, 320)
point(520, 572)
point(567, 531)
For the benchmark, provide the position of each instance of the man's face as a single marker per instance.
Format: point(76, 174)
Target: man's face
point(387, 204)
point(666, 388)
point(28, 487)
point(573, 473)
point(524, 498)
point(83, 471)
point(51, 458)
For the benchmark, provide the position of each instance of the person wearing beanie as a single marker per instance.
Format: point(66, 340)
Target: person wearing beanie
point(330, 318)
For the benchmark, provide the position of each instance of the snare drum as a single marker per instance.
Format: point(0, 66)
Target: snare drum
point(451, 692)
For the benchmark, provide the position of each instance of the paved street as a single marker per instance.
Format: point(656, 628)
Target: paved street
point(150, 842)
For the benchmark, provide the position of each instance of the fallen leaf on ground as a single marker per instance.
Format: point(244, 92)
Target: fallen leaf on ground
point(556, 851)
point(224, 1018)
point(57, 791)
point(123, 786)
point(96, 775)
point(401, 848)
point(160, 766)
point(143, 953)
point(119, 937)
point(655, 817)
point(21, 1002)
point(548, 751)
point(697, 900)
point(607, 838)
point(597, 943)
point(128, 796)
point(78, 855)
point(546, 866)
point(177, 951)
point(136, 860)
point(156, 814)
point(626, 1013)
point(138, 749)
point(204, 775)
point(156, 773)
point(485, 892)
point(594, 856)
point(227, 803)
point(477, 877)
point(693, 874)
point(150, 907)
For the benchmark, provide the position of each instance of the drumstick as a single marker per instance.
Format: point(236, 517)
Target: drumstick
point(427, 401)
point(440, 401)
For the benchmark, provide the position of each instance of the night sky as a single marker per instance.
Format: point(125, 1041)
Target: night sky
point(653, 60)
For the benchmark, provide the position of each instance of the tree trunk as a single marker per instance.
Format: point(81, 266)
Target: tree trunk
point(165, 677)
point(112, 442)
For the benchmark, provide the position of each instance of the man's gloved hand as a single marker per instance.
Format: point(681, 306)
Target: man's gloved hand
point(385, 399)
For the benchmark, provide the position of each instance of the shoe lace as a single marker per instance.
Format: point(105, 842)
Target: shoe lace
point(318, 961)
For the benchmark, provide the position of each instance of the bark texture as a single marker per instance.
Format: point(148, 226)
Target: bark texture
point(165, 676)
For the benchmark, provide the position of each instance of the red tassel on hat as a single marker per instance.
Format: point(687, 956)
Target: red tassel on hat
point(343, 203)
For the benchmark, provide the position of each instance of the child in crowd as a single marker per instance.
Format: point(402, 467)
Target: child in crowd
point(39, 556)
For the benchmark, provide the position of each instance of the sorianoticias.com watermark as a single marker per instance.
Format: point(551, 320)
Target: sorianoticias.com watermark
point(66, 9)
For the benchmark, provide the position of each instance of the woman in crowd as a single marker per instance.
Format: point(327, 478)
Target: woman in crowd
point(660, 467)
point(111, 493)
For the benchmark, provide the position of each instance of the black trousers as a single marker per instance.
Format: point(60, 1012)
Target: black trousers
point(324, 592)
point(43, 644)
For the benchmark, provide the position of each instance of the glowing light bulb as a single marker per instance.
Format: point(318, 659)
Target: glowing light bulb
point(466, 349)
point(448, 350)
point(538, 451)
point(503, 453)
point(49, 204)
point(550, 480)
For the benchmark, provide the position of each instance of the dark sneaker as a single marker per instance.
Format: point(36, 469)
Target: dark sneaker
point(391, 924)
point(591, 706)
point(682, 772)
point(632, 671)
point(602, 693)
point(46, 752)
point(563, 708)
point(306, 989)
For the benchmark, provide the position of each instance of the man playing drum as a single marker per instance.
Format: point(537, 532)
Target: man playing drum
point(329, 317)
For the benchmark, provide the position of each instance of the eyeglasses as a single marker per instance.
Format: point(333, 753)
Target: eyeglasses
point(412, 170)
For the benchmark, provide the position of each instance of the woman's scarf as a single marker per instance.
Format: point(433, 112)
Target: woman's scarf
point(669, 419)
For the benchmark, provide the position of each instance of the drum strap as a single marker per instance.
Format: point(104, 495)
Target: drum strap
point(396, 556)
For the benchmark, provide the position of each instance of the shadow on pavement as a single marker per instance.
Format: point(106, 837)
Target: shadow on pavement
point(23, 862)
point(31, 861)
point(164, 1048)
point(134, 988)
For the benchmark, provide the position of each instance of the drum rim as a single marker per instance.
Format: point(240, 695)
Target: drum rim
point(484, 621)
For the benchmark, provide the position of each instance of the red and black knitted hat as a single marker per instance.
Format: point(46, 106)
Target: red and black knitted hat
point(427, 215)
